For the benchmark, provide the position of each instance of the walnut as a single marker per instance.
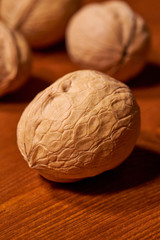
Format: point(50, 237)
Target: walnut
point(14, 60)
point(80, 126)
point(42, 22)
point(108, 37)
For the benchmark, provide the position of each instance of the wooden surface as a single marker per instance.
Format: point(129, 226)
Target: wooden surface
point(123, 203)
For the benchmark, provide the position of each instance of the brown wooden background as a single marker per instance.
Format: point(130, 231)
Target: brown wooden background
point(123, 203)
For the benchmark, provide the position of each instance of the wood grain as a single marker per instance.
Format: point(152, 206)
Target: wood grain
point(123, 203)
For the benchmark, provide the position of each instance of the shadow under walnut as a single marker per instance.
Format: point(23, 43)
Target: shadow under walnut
point(140, 167)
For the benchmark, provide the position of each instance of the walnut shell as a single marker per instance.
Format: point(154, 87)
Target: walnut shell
point(14, 60)
point(80, 126)
point(108, 37)
point(42, 22)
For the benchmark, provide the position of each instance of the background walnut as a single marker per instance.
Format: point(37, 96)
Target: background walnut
point(109, 37)
point(42, 22)
point(82, 125)
point(14, 60)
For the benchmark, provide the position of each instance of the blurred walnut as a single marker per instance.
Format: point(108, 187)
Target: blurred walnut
point(42, 22)
point(109, 37)
point(82, 125)
point(14, 60)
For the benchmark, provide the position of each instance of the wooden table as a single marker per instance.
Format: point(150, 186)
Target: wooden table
point(123, 203)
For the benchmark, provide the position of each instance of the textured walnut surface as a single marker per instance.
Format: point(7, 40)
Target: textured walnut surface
point(80, 126)
point(109, 37)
